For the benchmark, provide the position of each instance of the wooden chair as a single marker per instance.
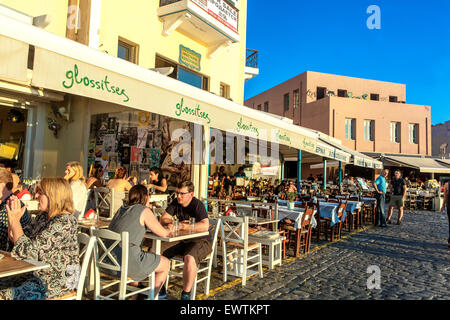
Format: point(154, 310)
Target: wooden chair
point(239, 251)
point(300, 239)
point(412, 202)
point(86, 254)
point(105, 202)
point(333, 232)
point(205, 266)
point(106, 241)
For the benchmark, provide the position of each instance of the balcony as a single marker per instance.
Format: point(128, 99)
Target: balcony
point(251, 64)
point(214, 23)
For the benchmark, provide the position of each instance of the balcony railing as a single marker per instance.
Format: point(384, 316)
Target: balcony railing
point(252, 58)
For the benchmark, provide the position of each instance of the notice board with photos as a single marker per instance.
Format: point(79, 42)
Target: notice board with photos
point(137, 141)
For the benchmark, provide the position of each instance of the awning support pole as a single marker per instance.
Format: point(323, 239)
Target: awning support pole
point(324, 174)
point(299, 170)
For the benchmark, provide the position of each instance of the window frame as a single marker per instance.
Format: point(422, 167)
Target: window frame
point(132, 50)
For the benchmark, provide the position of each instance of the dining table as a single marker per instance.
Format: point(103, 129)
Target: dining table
point(10, 266)
point(174, 236)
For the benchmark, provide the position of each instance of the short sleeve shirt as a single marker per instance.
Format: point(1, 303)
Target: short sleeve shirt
point(381, 183)
point(196, 209)
point(397, 186)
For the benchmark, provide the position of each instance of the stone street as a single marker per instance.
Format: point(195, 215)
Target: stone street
point(413, 259)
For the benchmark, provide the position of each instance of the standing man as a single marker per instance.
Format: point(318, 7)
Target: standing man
point(380, 186)
point(446, 203)
point(398, 196)
point(184, 207)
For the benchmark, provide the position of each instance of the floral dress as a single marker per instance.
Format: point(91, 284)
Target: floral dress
point(53, 242)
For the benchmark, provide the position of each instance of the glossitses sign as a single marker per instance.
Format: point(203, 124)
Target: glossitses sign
point(221, 11)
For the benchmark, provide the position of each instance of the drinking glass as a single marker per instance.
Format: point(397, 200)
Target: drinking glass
point(175, 227)
point(192, 224)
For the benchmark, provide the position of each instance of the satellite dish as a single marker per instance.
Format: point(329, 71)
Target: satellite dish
point(164, 71)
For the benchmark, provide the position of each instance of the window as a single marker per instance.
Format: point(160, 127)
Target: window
point(286, 102)
point(375, 96)
point(224, 90)
point(321, 92)
point(266, 106)
point(342, 93)
point(127, 50)
point(296, 98)
point(413, 129)
point(259, 107)
point(183, 74)
point(395, 132)
point(369, 130)
point(393, 99)
point(350, 129)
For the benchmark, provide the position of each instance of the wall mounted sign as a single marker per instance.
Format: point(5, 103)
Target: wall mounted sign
point(190, 58)
point(221, 11)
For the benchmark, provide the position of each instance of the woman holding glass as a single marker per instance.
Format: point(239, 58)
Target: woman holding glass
point(74, 174)
point(50, 238)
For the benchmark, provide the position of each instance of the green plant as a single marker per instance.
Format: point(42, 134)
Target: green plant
point(291, 196)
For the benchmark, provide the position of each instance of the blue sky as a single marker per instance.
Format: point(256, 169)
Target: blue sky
point(412, 47)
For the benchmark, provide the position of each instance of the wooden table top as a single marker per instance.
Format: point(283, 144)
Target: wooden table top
point(10, 266)
point(100, 224)
point(180, 235)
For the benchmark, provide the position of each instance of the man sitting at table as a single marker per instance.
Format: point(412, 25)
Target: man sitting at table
point(193, 251)
point(6, 186)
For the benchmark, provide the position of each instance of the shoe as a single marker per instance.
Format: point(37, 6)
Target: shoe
point(389, 221)
point(384, 226)
point(185, 296)
point(399, 222)
point(162, 293)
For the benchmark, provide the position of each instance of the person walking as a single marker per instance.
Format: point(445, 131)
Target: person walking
point(446, 203)
point(398, 196)
point(380, 186)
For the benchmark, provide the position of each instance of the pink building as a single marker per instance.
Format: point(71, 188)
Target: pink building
point(366, 115)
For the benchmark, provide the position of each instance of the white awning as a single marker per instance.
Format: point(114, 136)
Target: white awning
point(358, 159)
point(425, 165)
point(67, 66)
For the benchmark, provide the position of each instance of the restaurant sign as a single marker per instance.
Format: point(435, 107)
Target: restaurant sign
point(221, 11)
point(189, 58)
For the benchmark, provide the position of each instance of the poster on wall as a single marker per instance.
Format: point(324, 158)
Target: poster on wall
point(91, 148)
point(134, 154)
point(109, 143)
point(133, 136)
point(149, 143)
point(144, 156)
point(111, 125)
point(142, 133)
point(155, 158)
point(124, 154)
point(98, 150)
point(134, 170)
point(112, 161)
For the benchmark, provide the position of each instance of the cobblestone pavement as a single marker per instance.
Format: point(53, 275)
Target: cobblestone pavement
point(413, 259)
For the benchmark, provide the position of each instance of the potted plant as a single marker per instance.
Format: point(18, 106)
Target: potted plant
point(290, 196)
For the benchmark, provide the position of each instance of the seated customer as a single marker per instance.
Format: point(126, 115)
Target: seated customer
point(184, 207)
point(120, 184)
point(51, 238)
point(6, 184)
point(133, 218)
point(95, 176)
point(8, 165)
point(157, 180)
point(74, 174)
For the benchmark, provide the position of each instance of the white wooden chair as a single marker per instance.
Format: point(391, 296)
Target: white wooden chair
point(86, 254)
point(104, 202)
point(239, 251)
point(205, 266)
point(107, 240)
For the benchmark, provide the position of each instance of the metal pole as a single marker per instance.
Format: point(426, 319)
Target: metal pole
point(299, 170)
point(340, 172)
point(324, 174)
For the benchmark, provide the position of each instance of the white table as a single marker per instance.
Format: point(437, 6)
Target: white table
point(10, 266)
point(173, 237)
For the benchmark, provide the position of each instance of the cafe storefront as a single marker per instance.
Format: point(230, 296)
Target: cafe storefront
point(118, 113)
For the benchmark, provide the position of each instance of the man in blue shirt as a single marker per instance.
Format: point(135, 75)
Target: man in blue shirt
point(380, 186)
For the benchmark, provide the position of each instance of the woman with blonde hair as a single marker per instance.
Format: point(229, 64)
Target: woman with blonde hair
point(74, 175)
point(120, 184)
point(50, 238)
